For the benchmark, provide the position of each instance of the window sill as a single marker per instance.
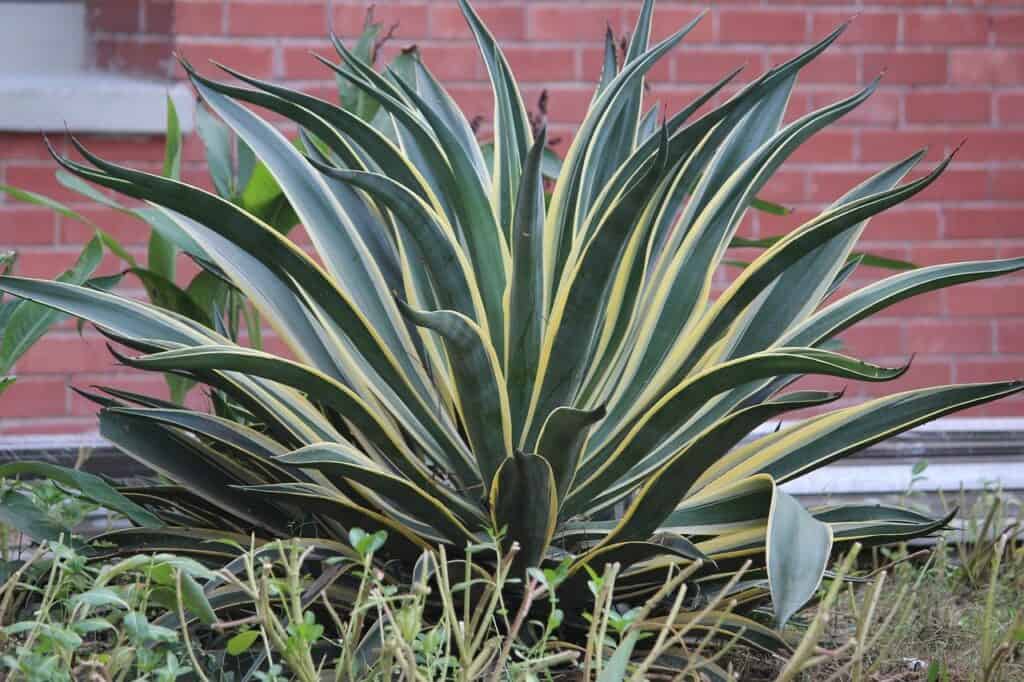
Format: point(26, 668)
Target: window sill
point(91, 102)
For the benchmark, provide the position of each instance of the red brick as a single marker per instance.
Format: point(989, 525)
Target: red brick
point(506, 22)
point(300, 64)
point(566, 104)
point(130, 54)
point(711, 66)
point(828, 185)
point(908, 3)
point(991, 145)
point(115, 16)
point(943, 28)
point(453, 62)
point(125, 228)
point(592, 62)
point(769, 225)
point(832, 67)
point(754, 26)
point(908, 67)
point(957, 185)
point(562, 21)
point(944, 106)
point(835, 146)
point(474, 99)
point(674, 99)
point(947, 252)
point(1008, 29)
point(186, 269)
point(34, 397)
point(872, 339)
point(1010, 336)
point(28, 146)
point(895, 251)
point(660, 72)
point(799, 105)
point(192, 149)
point(891, 145)
point(984, 222)
point(1007, 183)
point(786, 187)
point(669, 19)
point(976, 67)
point(38, 178)
point(48, 262)
point(986, 299)
point(158, 17)
point(20, 225)
point(949, 336)
point(881, 109)
point(254, 18)
point(1011, 248)
point(408, 18)
point(1010, 107)
point(198, 17)
point(531, 64)
point(989, 369)
point(866, 28)
point(929, 305)
point(66, 353)
point(911, 224)
point(560, 137)
point(252, 60)
point(126, 149)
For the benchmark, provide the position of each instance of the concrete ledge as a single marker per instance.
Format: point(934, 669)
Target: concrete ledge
point(91, 102)
point(974, 453)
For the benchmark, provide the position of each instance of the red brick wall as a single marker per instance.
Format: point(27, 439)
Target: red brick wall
point(132, 36)
point(955, 70)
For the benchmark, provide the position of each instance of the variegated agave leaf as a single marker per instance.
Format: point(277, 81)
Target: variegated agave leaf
point(465, 355)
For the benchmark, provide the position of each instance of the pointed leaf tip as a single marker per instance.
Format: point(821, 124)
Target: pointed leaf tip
point(51, 149)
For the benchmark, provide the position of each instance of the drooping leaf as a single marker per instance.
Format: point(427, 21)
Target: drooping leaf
point(25, 322)
point(90, 486)
point(524, 504)
point(794, 575)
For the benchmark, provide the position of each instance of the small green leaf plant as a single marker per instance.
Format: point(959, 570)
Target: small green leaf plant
point(68, 617)
point(22, 323)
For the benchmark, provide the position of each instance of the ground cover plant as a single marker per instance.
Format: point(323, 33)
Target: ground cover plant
point(472, 361)
point(944, 612)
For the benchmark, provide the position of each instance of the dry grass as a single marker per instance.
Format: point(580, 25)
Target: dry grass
point(949, 614)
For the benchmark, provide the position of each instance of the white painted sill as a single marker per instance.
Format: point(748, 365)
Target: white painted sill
point(969, 452)
point(92, 102)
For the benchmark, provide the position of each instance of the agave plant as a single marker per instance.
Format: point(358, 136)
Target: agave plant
point(466, 357)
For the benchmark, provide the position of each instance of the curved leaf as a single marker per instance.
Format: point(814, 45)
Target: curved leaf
point(524, 504)
point(480, 395)
point(561, 443)
point(794, 575)
point(92, 487)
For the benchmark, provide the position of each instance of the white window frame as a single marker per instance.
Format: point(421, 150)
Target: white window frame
point(47, 85)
